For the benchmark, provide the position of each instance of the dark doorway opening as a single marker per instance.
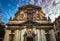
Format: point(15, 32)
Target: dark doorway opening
point(29, 38)
point(2, 33)
point(48, 37)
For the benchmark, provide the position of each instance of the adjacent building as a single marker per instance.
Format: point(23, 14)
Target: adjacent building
point(57, 28)
point(2, 31)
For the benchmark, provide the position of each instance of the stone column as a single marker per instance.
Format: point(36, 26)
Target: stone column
point(6, 38)
point(42, 35)
point(22, 34)
point(53, 38)
point(35, 32)
point(38, 35)
point(17, 35)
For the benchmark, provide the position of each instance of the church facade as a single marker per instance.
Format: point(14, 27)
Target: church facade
point(30, 24)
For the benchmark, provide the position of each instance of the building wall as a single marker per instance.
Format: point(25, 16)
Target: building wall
point(57, 28)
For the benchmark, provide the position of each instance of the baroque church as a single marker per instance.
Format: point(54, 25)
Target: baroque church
point(30, 24)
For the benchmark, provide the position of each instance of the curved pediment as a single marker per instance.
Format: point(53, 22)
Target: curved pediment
point(30, 6)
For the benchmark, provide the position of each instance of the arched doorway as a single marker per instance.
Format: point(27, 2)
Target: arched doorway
point(29, 35)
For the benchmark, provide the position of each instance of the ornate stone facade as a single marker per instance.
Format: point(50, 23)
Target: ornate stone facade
point(30, 24)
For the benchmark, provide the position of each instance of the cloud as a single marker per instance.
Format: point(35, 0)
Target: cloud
point(49, 7)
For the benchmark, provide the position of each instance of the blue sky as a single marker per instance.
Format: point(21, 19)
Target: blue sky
point(10, 7)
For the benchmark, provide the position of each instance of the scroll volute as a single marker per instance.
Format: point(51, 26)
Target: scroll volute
point(41, 14)
point(21, 15)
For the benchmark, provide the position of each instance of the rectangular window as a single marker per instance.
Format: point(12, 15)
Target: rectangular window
point(29, 16)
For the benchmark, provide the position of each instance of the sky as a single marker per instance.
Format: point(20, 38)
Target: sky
point(8, 8)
